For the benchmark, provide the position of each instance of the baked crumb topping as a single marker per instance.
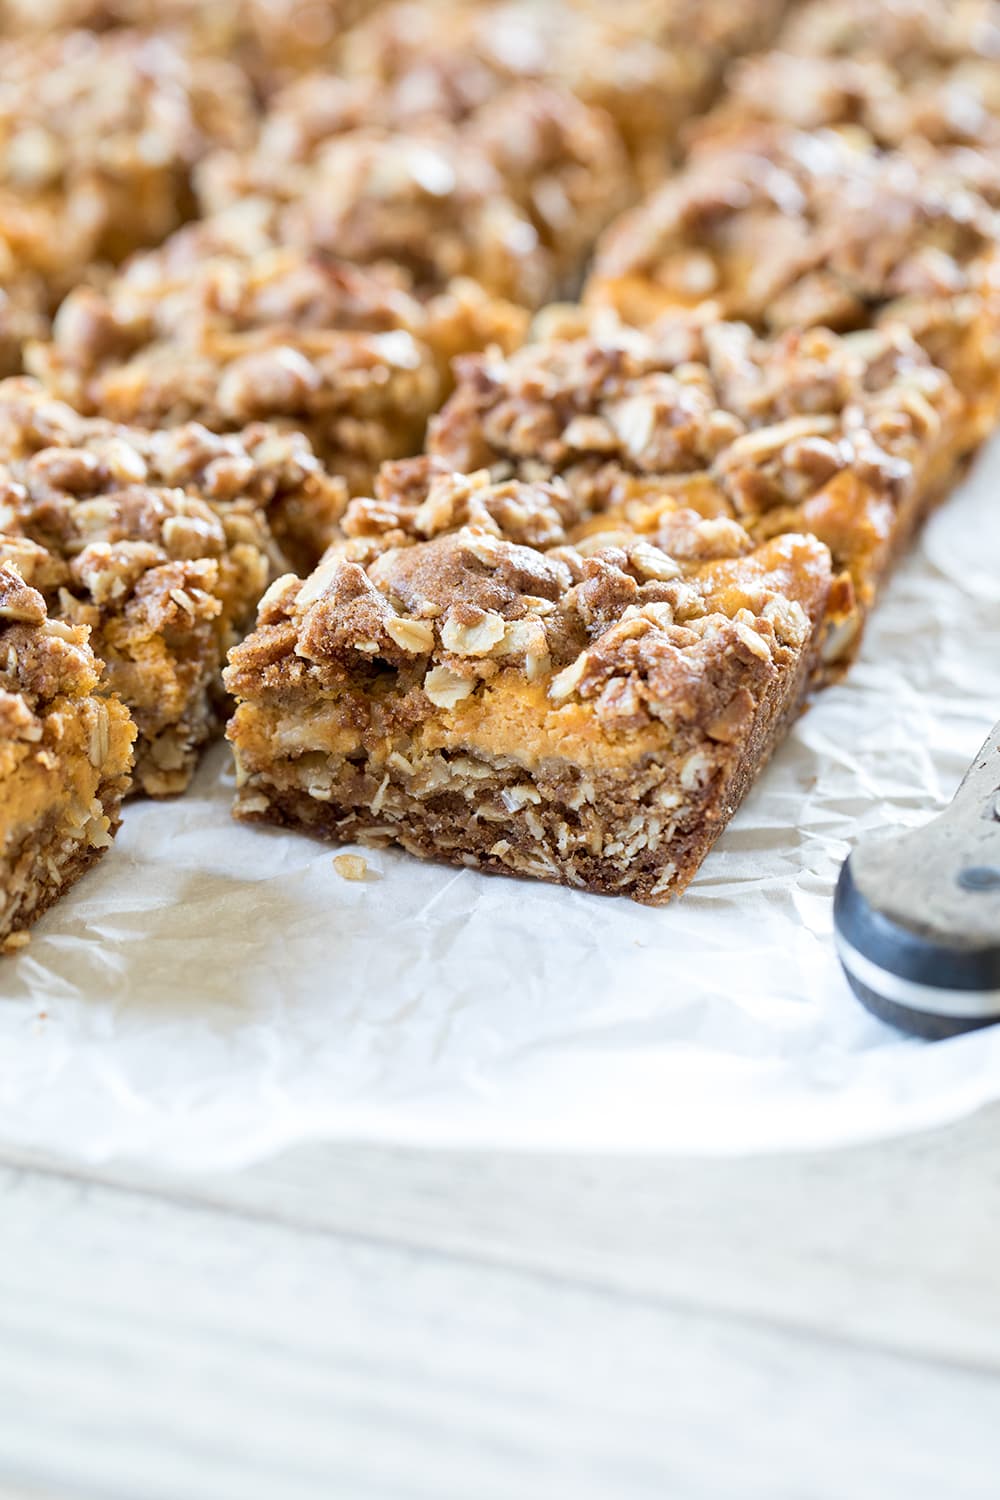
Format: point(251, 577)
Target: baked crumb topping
point(451, 59)
point(846, 438)
point(40, 660)
point(448, 593)
point(100, 135)
point(202, 330)
point(512, 195)
point(951, 105)
point(263, 468)
point(788, 228)
point(745, 424)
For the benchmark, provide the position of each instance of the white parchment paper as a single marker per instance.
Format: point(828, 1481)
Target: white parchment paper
point(212, 993)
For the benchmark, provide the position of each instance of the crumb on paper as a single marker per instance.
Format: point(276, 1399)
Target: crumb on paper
point(351, 866)
point(16, 940)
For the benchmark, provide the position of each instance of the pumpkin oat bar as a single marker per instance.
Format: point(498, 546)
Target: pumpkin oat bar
point(849, 438)
point(159, 543)
point(511, 193)
point(65, 755)
point(223, 327)
point(99, 136)
point(463, 677)
point(790, 229)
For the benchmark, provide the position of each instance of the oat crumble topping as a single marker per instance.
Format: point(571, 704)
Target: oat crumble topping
point(100, 135)
point(848, 438)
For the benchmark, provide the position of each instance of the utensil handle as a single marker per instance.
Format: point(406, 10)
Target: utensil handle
point(917, 913)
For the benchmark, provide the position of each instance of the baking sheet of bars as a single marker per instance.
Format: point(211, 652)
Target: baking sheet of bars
point(212, 993)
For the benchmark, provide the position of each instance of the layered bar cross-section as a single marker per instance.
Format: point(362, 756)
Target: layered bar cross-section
point(158, 543)
point(65, 757)
point(462, 677)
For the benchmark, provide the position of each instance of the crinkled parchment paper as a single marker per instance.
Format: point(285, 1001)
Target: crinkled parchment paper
point(212, 993)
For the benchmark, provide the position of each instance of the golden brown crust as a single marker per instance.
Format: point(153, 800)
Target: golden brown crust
point(65, 755)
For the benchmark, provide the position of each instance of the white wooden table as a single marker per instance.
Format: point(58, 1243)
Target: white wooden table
point(359, 1323)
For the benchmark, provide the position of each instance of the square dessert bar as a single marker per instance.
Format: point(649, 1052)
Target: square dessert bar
point(158, 543)
point(99, 138)
point(848, 438)
point(223, 327)
point(510, 188)
point(65, 756)
point(786, 228)
point(462, 677)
